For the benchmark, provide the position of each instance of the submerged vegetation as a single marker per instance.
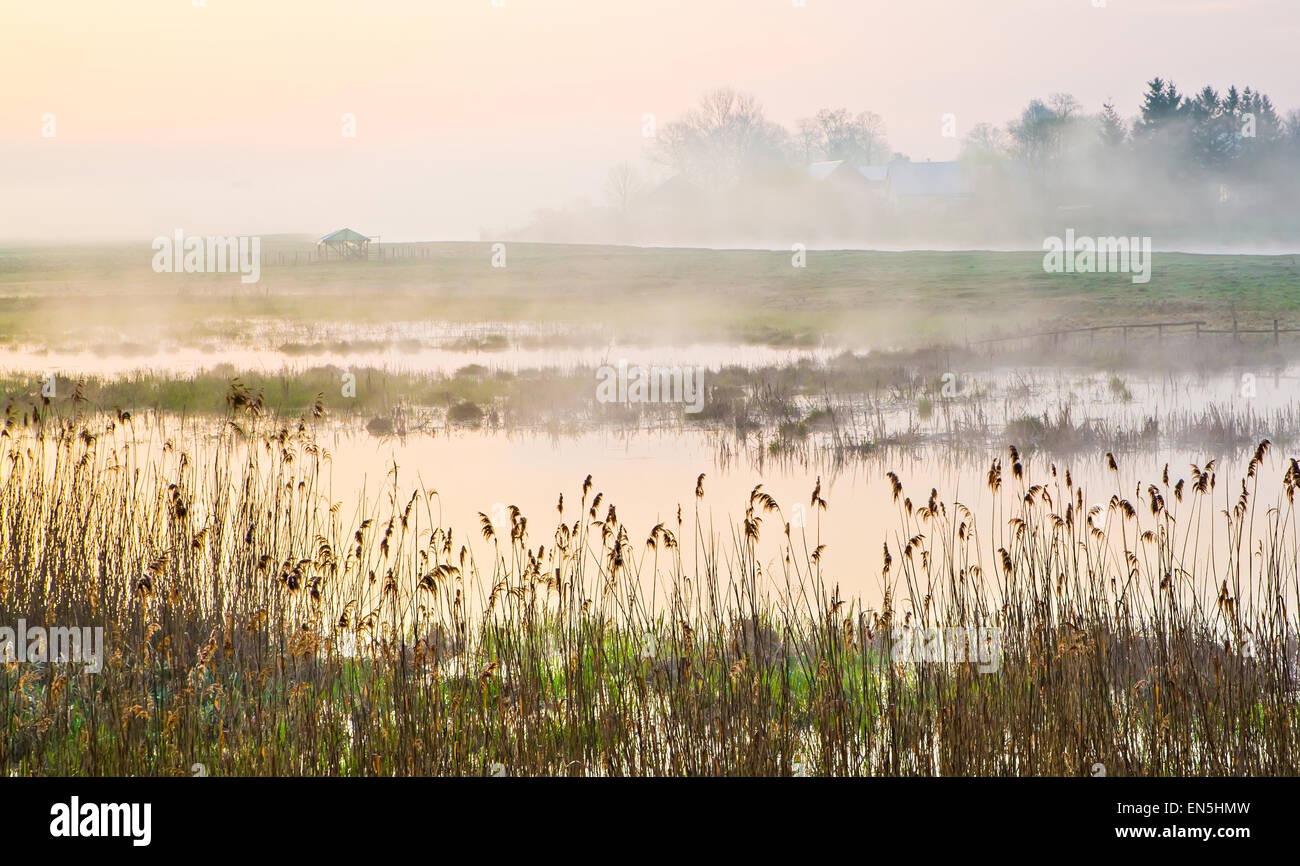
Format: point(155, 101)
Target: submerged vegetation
point(841, 404)
point(255, 626)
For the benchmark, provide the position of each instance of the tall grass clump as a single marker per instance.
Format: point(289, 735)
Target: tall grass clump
point(256, 625)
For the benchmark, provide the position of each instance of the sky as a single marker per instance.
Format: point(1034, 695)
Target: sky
point(126, 120)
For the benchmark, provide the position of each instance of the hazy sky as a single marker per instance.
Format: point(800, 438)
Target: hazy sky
point(227, 118)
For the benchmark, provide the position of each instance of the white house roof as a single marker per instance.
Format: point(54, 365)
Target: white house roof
point(938, 179)
point(823, 170)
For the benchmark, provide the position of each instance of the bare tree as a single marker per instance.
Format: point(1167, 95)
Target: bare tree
point(725, 137)
point(836, 134)
point(622, 186)
point(984, 142)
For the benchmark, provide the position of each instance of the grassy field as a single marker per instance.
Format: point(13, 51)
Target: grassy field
point(53, 294)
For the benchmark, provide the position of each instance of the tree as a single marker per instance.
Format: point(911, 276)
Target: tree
point(1213, 129)
point(622, 185)
point(1064, 105)
point(983, 143)
point(836, 134)
point(1162, 105)
point(1112, 129)
point(1290, 133)
point(1208, 131)
point(1260, 131)
point(1038, 135)
point(724, 138)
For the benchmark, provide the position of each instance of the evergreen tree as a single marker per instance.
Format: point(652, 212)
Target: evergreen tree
point(1113, 130)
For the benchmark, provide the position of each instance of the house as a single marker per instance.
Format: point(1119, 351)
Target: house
point(676, 193)
point(875, 174)
point(823, 170)
point(847, 175)
point(927, 185)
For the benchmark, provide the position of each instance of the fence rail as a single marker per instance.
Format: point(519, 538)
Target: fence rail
point(378, 251)
point(1160, 327)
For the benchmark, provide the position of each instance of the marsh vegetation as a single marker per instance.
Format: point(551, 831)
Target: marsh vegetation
point(254, 624)
point(471, 567)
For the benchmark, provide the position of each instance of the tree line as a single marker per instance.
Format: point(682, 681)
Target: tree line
point(1212, 163)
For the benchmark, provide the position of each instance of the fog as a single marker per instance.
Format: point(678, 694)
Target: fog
point(474, 120)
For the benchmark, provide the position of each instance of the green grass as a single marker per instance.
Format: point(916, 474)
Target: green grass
point(902, 299)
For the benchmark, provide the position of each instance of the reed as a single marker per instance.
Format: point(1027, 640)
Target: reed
point(256, 626)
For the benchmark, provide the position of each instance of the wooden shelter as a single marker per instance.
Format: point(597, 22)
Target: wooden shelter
point(344, 244)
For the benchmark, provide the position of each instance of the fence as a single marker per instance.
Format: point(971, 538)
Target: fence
point(1184, 327)
point(377, 252)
